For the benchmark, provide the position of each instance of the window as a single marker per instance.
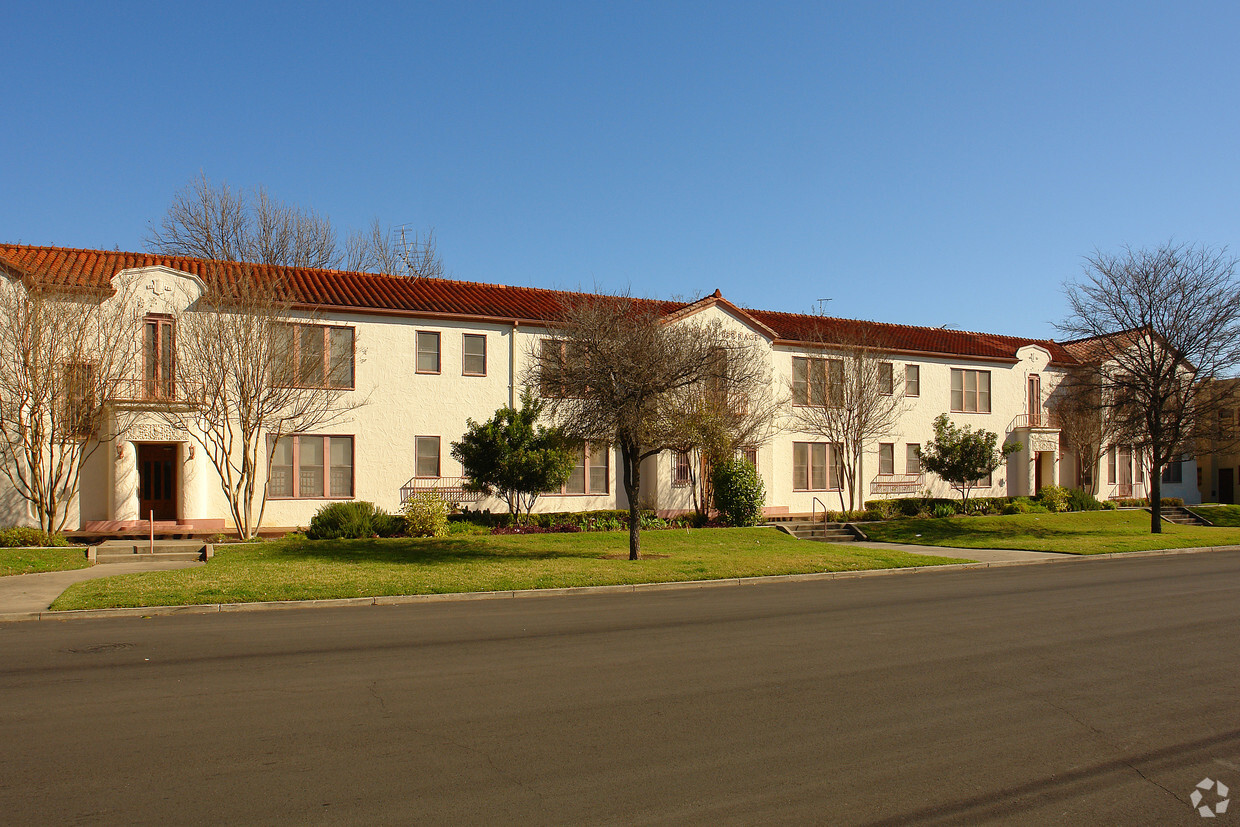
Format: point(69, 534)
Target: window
point(426, 456)
point(750, 455)
point(886, 379)
point(984, 482)
point(680, 469)
point(554, 356)
point(315, 356)
point(159, 349)
point(1111, 465)
point(592, 472)
point(79, 399)
point(1173, 472)
point(474, 354)
point(970, 391)
point(912, 380)
point(1138, 467)
point(886, 458)
point(428, 352)
point(817, 381)
point(305, 466)
point(912, 458)
point(810, 470)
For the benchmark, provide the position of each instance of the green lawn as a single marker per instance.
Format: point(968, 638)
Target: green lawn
point(1090, 532)
point(31, 560)
point(1220, 515)
point(302, 570)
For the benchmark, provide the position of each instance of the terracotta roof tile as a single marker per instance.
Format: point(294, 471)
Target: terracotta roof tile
point(94, 269)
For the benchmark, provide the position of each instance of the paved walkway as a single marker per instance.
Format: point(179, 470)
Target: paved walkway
point(35, 592)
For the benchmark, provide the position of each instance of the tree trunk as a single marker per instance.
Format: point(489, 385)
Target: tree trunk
point(632, 489)
point(1156, 501)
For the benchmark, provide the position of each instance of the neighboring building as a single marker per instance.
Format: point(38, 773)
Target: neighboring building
point(430, 353)
point(1218, 449)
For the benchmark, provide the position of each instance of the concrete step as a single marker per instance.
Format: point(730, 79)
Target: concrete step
point(123, 551)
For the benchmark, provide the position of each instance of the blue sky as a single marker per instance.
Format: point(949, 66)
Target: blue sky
point(922, 163)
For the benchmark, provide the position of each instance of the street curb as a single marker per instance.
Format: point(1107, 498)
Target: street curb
point(624, 588)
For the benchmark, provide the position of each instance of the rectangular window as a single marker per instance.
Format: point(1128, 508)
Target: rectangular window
point(886, 458)
point(750, 455)
point(817, 381)
point(1111, 465)
point(474, 354)
point(970, 391)
point(428, 352)
point(79, 399)
point(886, 379)
point(1138, 467)
point(680, 468)
point(426, 456)
point(309, 466)
point(592, 471)
point(810, 470)
point(984, 482)
point(313, 356)
point(554, 358)
point(912, 380)
point(159, 358)
point(1173, 472)
point(912, 458)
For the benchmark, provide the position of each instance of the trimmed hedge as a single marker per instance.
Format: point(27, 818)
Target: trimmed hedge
point(29, 537)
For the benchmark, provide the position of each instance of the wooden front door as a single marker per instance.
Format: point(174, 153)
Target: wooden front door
point(157, 481)
point(1226, 485)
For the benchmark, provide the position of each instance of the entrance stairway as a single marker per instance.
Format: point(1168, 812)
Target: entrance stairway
point(166, 551)
point(1180, 515)
point(804, 528)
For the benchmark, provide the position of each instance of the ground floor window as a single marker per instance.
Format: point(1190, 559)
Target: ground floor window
point(309, 466)
point(749, 455)
point(811, 470)
point(1173, 472)
point(426, 456)
point(680, 469)
point(591, 472)
point(912, 458)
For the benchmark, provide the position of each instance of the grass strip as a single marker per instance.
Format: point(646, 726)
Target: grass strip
point(306, 570)
point(1089, 532)
point(33, 560)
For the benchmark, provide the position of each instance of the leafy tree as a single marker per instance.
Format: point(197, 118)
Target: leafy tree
point(513, 457)
point(961, 456)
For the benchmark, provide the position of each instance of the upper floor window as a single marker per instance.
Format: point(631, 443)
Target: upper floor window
point(474, 354)
point(912, 380)
point(159, 358)
point(317, 356)
point(428, 352)
point(554, 356)
point(886, 378)
point(79, 398)
point(817, 381)
point(970, 391)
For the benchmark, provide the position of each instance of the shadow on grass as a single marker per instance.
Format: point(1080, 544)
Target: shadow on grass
point(431, 550)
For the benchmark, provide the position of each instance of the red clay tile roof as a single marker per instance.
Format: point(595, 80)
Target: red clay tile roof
point(94, 269)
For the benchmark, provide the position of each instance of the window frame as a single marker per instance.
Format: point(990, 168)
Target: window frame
point(912, 450)
point(465, 354)
point(833, 459)
point(297, 329)
point(591, 450)
point(417, 457)
point(915, 383)
point(159, 386)
point(976, 374)
point(681, 476)
point(830, 375)
point(327, 467)
point(886, 379)
point(890, 448)
point(417, 352)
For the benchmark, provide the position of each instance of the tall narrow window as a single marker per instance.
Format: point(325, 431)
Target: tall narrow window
point(426, 456)
point(1111, 465)
point(474, 354)
point(310, 466)
point(340, 353)
point(160, 358)
point(280, 481)
point(680, 469)
point(912, 380)
point(340, 477)
point(886, 379)
point(912, 458)
point(428, 352)
point(79, 398)
point(886, 458)
point(551, 367)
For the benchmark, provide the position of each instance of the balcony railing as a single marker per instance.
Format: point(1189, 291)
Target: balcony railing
point(1039, 419)
point(451, 489)
point(897, 483)
point(156, 392)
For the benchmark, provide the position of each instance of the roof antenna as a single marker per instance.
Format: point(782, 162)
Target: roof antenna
point(822, 306)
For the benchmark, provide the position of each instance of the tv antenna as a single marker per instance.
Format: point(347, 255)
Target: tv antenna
point(822, 306)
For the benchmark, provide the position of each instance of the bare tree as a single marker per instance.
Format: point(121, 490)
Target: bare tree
point(1086, 429)
point(256, 372)
point(212, 221)
point(714, 420)
point(63, 357)
point(1161, 324)
point(847, 393)
point(612, 370)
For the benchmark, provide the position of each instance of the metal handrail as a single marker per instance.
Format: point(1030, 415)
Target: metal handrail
point(1040, 419)
point(813, 511)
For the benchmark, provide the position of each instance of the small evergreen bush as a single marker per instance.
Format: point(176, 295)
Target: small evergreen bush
point(28, 536)
point(739, 493)
point(1054, 498)
point(1079, 500)
point(351, 520)
point(426, 515)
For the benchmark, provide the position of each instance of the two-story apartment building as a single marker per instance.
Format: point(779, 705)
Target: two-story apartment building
point(426, 354)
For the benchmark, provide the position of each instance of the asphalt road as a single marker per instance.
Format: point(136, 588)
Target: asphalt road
point(1063, 693)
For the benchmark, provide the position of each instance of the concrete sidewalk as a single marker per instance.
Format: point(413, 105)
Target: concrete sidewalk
point(35, 592)
point(981, 555)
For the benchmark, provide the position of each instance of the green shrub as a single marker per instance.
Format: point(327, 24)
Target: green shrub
point(466, 527)
point(1079, 500)
point(873, 515)
point(1177, 501)
point(28, 536)
point(352, 520)
point(882, 509)
point(1054, 498)
point(739, 493)
point(388, 525)
point(426, 515)
point(943, 510)
point(1108, 505)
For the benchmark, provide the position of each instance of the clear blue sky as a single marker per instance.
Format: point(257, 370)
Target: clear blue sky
point(924, 163)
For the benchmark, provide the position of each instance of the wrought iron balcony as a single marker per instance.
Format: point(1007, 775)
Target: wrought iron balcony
point(451, 489)
point(1044, 420)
